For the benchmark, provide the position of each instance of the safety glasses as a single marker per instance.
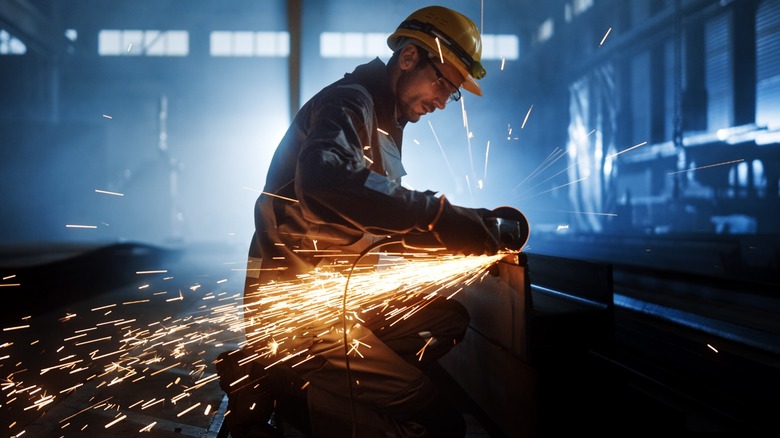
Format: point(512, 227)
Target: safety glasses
point(444, 82)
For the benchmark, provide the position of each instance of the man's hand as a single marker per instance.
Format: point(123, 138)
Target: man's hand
point(462, 230)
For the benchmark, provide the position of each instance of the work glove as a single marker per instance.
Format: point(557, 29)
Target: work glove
point(484, 213)
point(462, 230)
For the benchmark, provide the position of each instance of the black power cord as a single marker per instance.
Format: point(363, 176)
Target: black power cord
point(380, 243)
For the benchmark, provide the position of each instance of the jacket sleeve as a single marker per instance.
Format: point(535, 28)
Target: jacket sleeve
point(334, 183)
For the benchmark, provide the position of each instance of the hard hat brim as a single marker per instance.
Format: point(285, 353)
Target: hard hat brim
point(471, 85)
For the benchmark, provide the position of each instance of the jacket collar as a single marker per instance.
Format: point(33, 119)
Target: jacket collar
point(374, 77)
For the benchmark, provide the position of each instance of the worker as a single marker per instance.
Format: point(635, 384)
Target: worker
point(334, 187)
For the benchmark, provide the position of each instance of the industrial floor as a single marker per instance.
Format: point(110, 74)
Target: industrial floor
point(119, 340)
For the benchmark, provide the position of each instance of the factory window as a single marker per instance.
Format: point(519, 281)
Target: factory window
point(580, 6)
point(368, 45)
point(143, 43)
point(71, 34)
point(546, 30)
point(10, 45)
point(768, 65)
point(719, 75)
point(353, 45)
point(574, 8)
point(641, 97)
point(500, 47)
point(746, 178)
point(670, 92)
point(247, 43)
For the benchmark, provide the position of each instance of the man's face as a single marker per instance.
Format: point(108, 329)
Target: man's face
point(420, 91)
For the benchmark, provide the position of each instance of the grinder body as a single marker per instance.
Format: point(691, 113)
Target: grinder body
point(510, 228)
point(507, 224)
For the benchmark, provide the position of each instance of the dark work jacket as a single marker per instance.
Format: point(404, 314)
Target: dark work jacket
point(337, 175)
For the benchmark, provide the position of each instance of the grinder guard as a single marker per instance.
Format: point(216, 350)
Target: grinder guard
point(508, 225)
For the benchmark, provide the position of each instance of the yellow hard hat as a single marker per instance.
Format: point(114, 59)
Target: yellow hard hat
point(458, 39)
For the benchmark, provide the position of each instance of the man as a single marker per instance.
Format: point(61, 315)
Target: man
point(333, 187)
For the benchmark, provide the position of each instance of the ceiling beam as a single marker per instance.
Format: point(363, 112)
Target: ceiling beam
point(37, 31)
point(295, 28)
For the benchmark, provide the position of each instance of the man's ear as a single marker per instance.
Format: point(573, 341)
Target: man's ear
point(410, 55)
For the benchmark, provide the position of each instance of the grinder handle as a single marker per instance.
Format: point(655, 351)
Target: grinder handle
point(508, 225)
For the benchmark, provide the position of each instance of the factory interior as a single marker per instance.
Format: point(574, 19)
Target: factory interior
point(640, 139)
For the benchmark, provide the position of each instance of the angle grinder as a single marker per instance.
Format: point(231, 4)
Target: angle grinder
point(507, 224)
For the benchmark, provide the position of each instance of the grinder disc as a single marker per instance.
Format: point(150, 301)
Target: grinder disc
point(512, 228)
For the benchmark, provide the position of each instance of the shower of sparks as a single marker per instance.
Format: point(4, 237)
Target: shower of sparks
point(584, 212)
point(468, 184)
point(554, 175)
point(188, 409)
point(708, 166)
point(626, 150)
point(464, 115)
point(554, 156)
point(482, 17)
point(526, 116)
point(277, 322)
point(438, 46)
point(487, 152)
point(313, 308)
point(108, 193)
point(469, 135)
point(447, 161)
point(355, 348)
point(422, 350)
point(280, 197)
point(115, 421)
point(605, 36)
point(560, 186)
